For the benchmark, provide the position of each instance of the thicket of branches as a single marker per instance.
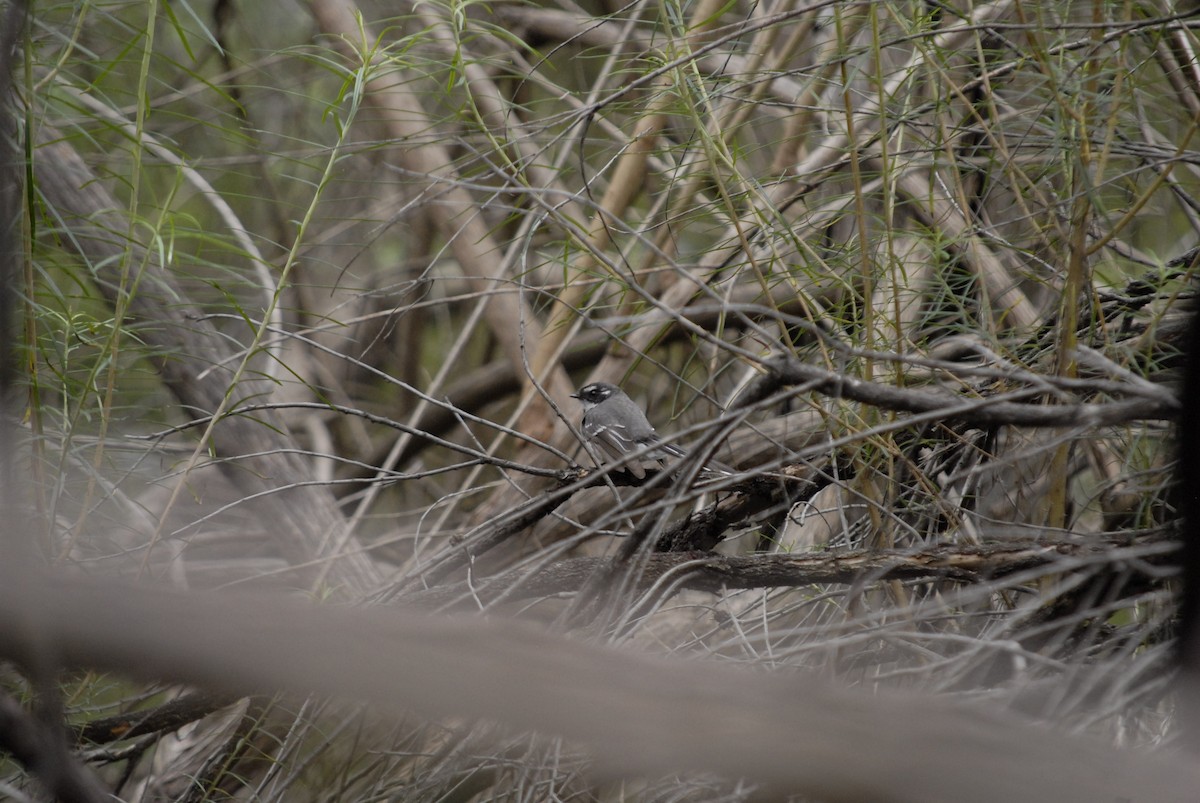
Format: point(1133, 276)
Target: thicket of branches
point(307, 288)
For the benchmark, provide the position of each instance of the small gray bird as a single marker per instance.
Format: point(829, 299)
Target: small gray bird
point(615, 423)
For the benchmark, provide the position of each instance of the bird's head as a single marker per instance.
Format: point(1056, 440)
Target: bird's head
point(596, 392)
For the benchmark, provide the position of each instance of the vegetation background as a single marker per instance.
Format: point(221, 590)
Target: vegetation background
point(306, 288)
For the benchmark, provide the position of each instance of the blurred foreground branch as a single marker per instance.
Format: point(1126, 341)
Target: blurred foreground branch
point(639, 714)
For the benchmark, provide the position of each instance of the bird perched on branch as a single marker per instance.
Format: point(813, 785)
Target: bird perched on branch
point(614, 422)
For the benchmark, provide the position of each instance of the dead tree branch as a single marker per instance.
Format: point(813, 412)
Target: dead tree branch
point(707, 571)
point(980, 412)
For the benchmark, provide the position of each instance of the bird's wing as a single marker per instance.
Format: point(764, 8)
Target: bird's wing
point(615, 442)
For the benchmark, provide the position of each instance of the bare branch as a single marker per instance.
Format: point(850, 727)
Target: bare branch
point(714, 573)
point(973, 412)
